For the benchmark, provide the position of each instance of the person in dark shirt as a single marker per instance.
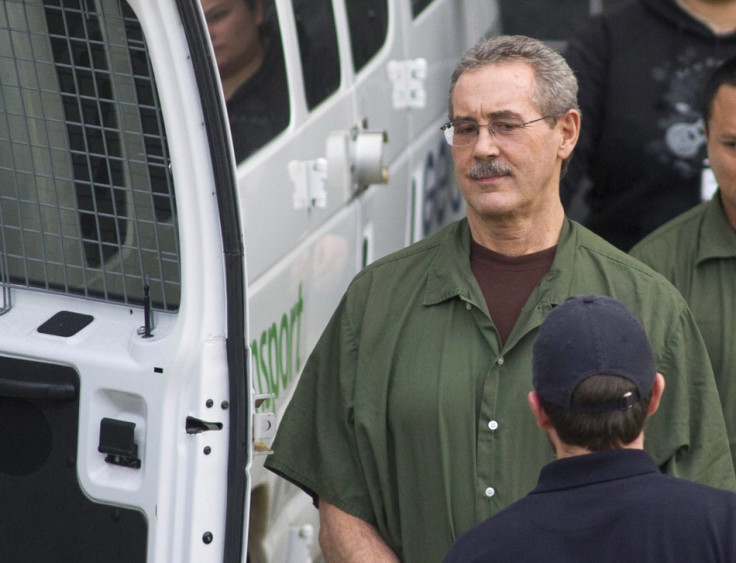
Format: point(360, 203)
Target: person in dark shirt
point(696, 251)
point(640, 65)
point(604, 498)
point(250, 60)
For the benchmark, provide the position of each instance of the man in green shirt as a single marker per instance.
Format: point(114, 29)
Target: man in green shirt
point(406, 426)
point(697, 250)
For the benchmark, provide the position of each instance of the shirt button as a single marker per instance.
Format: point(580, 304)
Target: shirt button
point(493, 425)
point(500, 361)
point(468, 306)
point(490, 491)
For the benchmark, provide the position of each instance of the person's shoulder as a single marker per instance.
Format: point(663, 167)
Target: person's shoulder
point(611, 257)
point(389, 283)
point(408, 257)
point(627, 275)
point(496, 537)
point(674, 236)
point(697, 496)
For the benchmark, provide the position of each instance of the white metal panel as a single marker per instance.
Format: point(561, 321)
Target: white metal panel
point(154, 382)
point(272, 225)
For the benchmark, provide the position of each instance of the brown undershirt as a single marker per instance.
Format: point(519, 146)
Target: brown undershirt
point(507, 281)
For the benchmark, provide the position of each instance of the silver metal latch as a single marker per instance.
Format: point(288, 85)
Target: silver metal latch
point(264, 425)
point(408, 78)
point(309, 177)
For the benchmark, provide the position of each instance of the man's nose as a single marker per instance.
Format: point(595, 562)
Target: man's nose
point(486, 144)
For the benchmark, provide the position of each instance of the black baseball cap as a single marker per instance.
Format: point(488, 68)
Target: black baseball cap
point(591, 335)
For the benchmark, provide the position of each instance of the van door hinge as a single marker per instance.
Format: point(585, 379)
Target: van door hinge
point(264, 425)
point(309, 177)
point(408, 78)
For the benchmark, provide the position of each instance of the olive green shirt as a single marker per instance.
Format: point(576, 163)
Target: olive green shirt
point(412, 416)
point(697, 253)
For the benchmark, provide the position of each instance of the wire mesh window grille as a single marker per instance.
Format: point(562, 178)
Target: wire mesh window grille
point(86, 195)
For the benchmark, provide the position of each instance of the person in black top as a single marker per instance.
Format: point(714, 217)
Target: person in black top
point(603, 499)
point(640, 66)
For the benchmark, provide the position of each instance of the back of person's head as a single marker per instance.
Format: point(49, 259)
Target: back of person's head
point(593, 371)
point(724, 74)
point(556, 89)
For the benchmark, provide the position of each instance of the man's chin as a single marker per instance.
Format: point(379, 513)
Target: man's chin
point(494, 206)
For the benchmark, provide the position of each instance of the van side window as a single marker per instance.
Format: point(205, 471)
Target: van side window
point(86, 196)
point(315, 27)
point(368, 21)
point(250, 58)
point(418, 6)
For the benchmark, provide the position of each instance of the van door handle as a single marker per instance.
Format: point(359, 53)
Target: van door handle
point(197, 425)
point(37, 390)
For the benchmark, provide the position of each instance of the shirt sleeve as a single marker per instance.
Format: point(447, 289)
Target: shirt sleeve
point(687, 435)
point(315, 446)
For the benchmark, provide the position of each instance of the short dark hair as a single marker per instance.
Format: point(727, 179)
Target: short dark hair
point(598, 431)
point(725, 73)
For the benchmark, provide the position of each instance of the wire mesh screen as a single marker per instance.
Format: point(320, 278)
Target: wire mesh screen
point(86, 195)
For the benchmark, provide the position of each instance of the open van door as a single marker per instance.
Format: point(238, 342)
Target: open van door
point(124, 394)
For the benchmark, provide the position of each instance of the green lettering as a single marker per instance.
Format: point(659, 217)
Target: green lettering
point(284, 349)
point(273, 357)
point(257, 378)
point(264, 367)
point(298, 307)
point(277, 356)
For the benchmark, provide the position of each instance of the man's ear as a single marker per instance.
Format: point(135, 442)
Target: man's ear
point(657, 390)
point(536, 406)
point(570, 129)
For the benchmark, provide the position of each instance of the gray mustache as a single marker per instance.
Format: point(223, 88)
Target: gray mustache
point(486, 168)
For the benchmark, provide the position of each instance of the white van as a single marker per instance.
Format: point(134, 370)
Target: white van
point(143, 366)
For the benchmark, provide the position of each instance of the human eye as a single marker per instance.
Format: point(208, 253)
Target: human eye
point(506, 127)
point(465, 128)
point(216, 15)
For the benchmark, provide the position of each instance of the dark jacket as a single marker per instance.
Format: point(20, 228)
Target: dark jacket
point(259, 109)
point(612, 506)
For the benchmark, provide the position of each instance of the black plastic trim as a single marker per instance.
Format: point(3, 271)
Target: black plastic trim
point(223, 165)
point(37, 390)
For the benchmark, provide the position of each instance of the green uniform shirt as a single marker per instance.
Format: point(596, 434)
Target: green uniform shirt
point(697, 253)
point(411, 416)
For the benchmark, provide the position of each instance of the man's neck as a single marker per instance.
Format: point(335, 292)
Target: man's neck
point(566, 450)
point(719, 15)
point(518, 237)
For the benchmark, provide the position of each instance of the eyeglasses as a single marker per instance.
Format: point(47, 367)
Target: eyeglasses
point(465, 132)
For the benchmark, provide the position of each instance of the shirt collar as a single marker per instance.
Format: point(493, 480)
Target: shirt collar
point(450, 275)
point(717, 239)
point(587, 469)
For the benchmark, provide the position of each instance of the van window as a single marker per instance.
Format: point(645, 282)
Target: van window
point(418, 6)
point(86, 196)
point(315, 27)
point(250, 59)
point(368, 21)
